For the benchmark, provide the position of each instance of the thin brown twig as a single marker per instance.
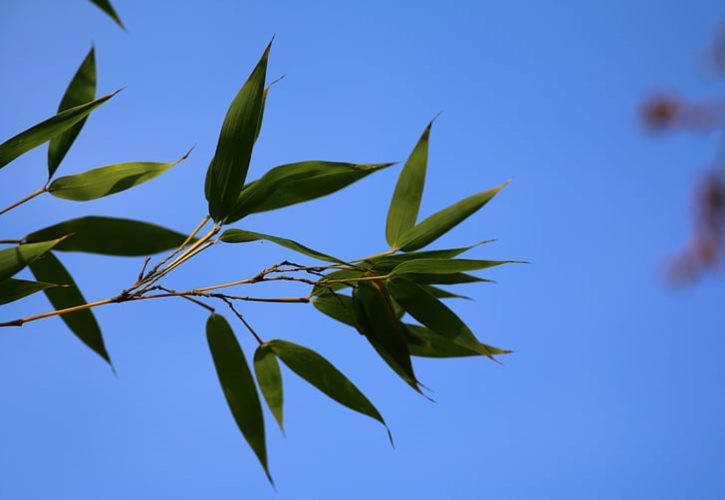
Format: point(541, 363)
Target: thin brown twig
point(27, 198)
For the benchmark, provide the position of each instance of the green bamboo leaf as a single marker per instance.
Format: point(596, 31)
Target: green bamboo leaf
point(387, 263)
point(269, 379)
point(110, 236)
point(446, 279)
point(104, 181)
point(105, 6)
point(325, 286)
point(439, 293)
point(12, 289)
point(228, 169)
point(337, 306)
point(297, 183)
point(240, 236)
point(16, 258)
point(446, 266)
point(376, 319)
point(81, 90)
point(441, 222)
point(324, 376)
point(424, 342)
point(405, 204)
point(434, 314)
point(46, 130)
point(82, 323)
point(238, 385)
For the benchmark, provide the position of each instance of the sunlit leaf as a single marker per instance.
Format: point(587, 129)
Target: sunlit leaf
point(228, 169)
point(16, 258)
point(324, 376)
point(441, 222)
point(425, 342)
point(107, 180)
point(12, 289)
point(375, 317)
point(46, 130)
point(296, 183)
point(110, 236)
point(81, 90)
point(82, 323)
point(434, 314)
point(240, 236)
point(105, 6)
point(445, 266)
point(404, 206)
point(269, 379)
point(237, 384)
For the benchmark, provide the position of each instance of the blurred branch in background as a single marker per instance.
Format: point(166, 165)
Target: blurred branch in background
point(668, 112)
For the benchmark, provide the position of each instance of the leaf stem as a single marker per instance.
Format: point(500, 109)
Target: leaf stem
point(381, 254)
point(27, 198)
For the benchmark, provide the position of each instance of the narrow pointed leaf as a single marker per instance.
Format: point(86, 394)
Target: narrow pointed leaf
point(269, 379)
point(240, 236)
point(433, 313)
point(237, 384)
point(337, 306)
point(82, 323)
point(424, 342)
point(375, 317)
point(324, 376)
point(104, 181)
point(81, 90)
point(228, 168)
point(446, 279)
point(441, 222)
point(12, 289)
point(16, 258)
point(405, 204)
point(445, 266)
point(46, 130)
point(297, 183)
point(105, 6)
point(110, 236)
point(439, 293)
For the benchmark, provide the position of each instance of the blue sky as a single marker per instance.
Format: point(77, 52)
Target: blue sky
point(615, 389)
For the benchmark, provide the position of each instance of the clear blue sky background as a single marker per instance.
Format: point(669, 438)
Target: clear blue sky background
point(615, 391)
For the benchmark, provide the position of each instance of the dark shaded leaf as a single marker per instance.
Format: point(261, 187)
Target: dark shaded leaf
point(337, 306)
point(404, 206)
point(110, 236)
point(16, 258)
point(441, 222)
point(12, 289)
point(104, 181)
point(446, 279)
point(240, 236)
point(324, 376)
point(296, 183)
point(228, 169)
point(238, 385)
point(105, 6)
point(82, 323)
point(442, 294)
point(445, 266)
point(81, 90)
point(424, 342)
point(376, 319)
point(269, 379)
point(46, 130)
point(434, 314)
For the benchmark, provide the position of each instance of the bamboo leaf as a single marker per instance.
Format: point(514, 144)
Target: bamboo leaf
point(405, 204)
point(240, 236)
point(105, 6)
point(297, 183)
point(376, 319)
point(424, 342)
point(441, 222)
point(324, 376)
point(12, 260)
point(238, 385)
point(81, 90)
point(12, 289)
point(269, 379)
point(337, 306)
point(111, 179)
point(82, 323)
point(446, 279)
point(110, 236)
point(446, 266)
point(434, 314)
point(228, 169)
point(46, 130)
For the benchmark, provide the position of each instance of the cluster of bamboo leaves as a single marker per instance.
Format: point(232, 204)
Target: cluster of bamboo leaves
point(395, 300)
